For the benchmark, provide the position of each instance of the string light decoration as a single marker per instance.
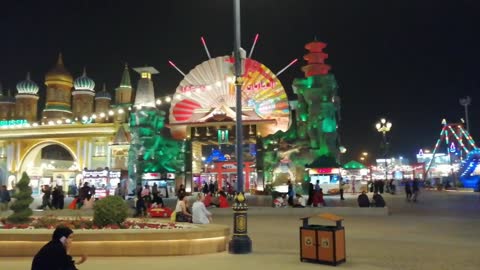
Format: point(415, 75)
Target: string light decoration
point(85, 119)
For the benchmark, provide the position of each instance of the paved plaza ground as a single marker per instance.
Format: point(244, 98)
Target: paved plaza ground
point(441, 231)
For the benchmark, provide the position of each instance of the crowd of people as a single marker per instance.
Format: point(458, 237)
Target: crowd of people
point(296, 200)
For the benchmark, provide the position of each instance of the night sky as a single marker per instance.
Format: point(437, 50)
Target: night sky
point(409, 61)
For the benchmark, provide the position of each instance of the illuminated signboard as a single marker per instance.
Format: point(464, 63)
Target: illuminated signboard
point(324, 171)
point(211, 85)
point(5, 123)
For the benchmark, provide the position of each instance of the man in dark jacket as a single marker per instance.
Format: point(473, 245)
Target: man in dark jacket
point(378, 200)
point(363, 200)
point(55, 254)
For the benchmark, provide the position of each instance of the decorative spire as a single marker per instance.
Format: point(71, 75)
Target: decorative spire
point(104, 89)
point(28, 76)
point(60, 59)
point(84, 72)
point(126, 82)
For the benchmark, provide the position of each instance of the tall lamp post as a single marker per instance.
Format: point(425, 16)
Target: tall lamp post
point(240, 243)
point(465, 102)
point(383, 127)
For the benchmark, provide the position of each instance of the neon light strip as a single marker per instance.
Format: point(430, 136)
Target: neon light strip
point(174, 66)
point(206, 48)
point(435, 151)
point(469, 137)
point(285, 68)
point(253, 46)
point(458, 140)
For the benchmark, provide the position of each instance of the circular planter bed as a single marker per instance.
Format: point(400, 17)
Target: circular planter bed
point(136, 238)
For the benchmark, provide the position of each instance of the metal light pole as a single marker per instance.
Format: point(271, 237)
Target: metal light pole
point(465, 102)
point(384, 126)
point(240, 243)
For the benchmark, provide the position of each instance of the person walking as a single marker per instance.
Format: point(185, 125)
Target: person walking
point(118, 191)
point(415, 189)
point(408, 190)
point(342, 184)
point(290, 193)
point(4, 198)
point(47, 192)
point(61, 198)
point(155, 190)
point(311, 193)
point(56, 253)
point(181, 190)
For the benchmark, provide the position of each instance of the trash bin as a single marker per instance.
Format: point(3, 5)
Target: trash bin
point(322, 243)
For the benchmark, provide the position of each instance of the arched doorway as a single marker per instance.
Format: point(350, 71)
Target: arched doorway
point(50, 163)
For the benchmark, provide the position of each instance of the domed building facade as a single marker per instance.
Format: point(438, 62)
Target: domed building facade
point(82, 96)
point(26, 100)
point(77, 135)
point(59, 83)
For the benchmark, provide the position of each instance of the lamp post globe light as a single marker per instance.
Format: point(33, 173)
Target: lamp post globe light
point(383, 127)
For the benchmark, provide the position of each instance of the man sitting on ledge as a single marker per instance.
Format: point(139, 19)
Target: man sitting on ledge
point(363, 200)
point(378, 200)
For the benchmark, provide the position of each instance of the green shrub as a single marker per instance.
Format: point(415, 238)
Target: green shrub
point(23, 199)
point(111, 210)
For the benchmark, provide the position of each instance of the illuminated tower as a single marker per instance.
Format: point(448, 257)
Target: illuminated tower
point(82, 96)
point(7, 105)
point(318, 103)
point(123, 93)
point(123, 96)
point(102, 105)
point(145, 96)
point(59, 84)
point(26, 100)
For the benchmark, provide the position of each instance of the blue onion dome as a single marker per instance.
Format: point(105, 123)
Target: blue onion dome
point(103, 94)
point(83, 82)
point(27, 87)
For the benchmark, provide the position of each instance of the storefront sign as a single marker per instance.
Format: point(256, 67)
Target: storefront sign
point(324, 171)
point(95, 174)
point(151, 176)
point(4, 123)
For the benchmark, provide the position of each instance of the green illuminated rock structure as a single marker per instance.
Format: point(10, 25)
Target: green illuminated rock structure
point(312, 140)
point(151, 151)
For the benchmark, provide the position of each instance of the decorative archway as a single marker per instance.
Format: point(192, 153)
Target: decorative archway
point(35, 149)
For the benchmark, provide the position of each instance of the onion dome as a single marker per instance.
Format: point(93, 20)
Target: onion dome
point(27, 87)
point(103, 94)
point(83, 82)
point(59, 73)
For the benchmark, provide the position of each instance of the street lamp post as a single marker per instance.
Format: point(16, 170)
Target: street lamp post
point(383, 127)
point(465, 102)
point(240, 243)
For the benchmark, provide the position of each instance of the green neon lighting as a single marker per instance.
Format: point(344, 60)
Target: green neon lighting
point(6, 123)
point(222, 135)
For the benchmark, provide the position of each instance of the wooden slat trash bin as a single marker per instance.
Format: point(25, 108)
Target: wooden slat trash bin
point(323, 244)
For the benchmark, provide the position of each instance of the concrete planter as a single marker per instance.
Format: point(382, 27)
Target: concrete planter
point(199, 239)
